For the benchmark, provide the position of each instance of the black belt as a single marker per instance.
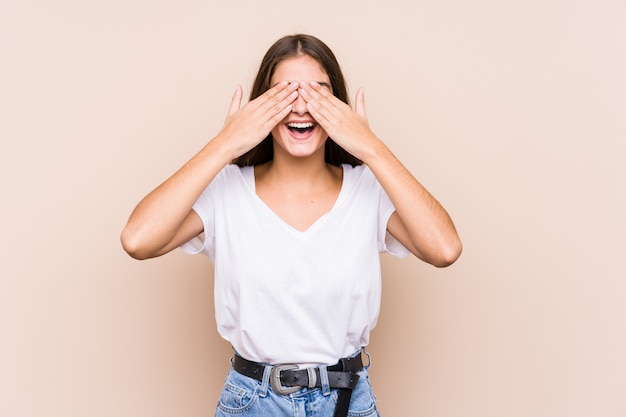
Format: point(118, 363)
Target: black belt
point(287, 379)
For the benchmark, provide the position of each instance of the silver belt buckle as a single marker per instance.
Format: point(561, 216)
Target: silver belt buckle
point(277, 386)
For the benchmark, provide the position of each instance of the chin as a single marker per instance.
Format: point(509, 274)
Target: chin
point(303, 152)
point(300, 147)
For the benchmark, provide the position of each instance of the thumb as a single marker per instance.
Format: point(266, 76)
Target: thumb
point(359, 105)
point(235, 103)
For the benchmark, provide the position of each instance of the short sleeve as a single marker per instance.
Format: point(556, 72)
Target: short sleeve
point(205, 208)
point(386, 242)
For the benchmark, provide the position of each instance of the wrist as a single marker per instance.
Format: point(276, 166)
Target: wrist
point(221, 149)
point(376, 150)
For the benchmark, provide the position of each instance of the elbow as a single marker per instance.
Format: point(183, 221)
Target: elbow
point(133, 246)
point(448, 255)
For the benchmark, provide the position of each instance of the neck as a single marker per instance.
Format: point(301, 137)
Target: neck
point(290, 169)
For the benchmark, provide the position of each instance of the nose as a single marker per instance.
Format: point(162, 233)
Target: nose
point(299, 105)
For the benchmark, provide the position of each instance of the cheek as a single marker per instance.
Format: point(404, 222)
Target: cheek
point(277, 132)
point(322, 132)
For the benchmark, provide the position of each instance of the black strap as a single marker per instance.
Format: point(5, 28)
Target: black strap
point(343, 399)
point(343, 402)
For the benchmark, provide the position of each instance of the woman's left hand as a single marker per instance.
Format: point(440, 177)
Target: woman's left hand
point(420, 223)
point(348, 128)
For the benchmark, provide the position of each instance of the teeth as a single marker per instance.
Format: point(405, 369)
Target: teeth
point(300, 125)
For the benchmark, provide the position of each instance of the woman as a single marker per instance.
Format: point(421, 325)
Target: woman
point(294, 222)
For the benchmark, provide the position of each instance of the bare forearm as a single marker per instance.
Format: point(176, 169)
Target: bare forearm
point(430, 229)
point(164, 218)
point(159, 216)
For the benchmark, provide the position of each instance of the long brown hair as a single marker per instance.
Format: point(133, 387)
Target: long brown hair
point(282, 49)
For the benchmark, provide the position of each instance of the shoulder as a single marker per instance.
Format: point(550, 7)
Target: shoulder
point(234, 171)
point(231, 174)
point(354, 171)
point(229, 178)
point(359, 175)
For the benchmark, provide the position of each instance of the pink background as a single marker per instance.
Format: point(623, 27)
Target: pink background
point(511, 112)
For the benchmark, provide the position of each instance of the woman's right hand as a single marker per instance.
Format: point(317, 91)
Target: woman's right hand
point(245, 127)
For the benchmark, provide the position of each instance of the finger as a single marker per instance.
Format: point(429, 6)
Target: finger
point(322, 89)
point(287, 92)
point(325, 108)
point(267, 110)
point(317, 91)
point(279, 91)
point(278, 103)
point(317, 96)
point(235, 103)
point(269, 97)
point(314, 102)
point(280, 109)
point(277, 97)
point(278, 117)
point(359, 102)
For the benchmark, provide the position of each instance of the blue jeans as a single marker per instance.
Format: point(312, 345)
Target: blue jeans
point(246, 397)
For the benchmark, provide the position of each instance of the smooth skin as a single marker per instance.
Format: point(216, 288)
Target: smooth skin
point(298, 185)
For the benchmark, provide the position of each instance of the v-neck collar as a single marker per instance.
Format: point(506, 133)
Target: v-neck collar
point(248, 173)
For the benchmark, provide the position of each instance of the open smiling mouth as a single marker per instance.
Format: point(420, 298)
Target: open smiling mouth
point(301, 128)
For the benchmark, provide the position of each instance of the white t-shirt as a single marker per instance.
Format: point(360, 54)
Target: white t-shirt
point(286, 296)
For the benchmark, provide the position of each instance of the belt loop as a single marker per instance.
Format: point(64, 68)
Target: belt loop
point(324, 378)
point(266, 381)
point(369, 359)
